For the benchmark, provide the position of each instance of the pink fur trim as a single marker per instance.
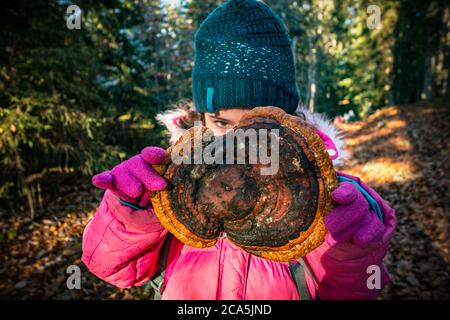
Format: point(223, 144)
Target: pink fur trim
point(329, 144)
point(171, 120)
point(329, 131)
point(176, 122)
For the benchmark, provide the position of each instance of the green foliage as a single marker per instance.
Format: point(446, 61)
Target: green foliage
point(39, 135)
point(343, 64)
point(75, 102)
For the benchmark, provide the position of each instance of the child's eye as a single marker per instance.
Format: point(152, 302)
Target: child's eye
point(222, 124)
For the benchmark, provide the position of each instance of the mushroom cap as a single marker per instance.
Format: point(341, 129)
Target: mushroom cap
point(275, 212)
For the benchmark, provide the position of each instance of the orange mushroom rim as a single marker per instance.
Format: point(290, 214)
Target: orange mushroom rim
point(306, 240)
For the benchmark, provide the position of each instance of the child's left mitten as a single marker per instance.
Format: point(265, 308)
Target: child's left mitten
point(352, 219)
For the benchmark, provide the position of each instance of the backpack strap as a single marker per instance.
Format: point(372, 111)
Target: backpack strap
point(157, 281)
point(298, 274)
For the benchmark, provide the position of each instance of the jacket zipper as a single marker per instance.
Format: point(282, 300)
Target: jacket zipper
point(220, 268)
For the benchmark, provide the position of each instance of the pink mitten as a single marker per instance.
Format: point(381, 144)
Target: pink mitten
point(352, 220)
point(132, 179)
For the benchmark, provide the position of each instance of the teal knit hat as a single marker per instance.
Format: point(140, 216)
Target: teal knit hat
point(243, 59)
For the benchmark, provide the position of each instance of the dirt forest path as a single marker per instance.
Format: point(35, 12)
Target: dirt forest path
point(402, 152)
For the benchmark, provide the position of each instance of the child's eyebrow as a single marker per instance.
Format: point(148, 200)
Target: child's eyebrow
point(221, 119)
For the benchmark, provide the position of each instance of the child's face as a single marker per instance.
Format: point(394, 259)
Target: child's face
point(223, 120)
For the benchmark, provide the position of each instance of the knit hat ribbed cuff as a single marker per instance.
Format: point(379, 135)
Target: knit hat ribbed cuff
point(213, 93)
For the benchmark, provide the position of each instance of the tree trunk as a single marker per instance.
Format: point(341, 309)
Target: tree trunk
point(312, 81)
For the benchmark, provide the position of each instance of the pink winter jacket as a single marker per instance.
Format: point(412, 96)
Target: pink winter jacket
point(122, 245)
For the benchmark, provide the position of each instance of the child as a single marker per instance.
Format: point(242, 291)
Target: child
point(243, 59)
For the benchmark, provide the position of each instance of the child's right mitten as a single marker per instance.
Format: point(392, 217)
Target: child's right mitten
point(133, 179)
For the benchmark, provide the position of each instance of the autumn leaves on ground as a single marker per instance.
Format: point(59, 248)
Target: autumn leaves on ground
point(402, 152)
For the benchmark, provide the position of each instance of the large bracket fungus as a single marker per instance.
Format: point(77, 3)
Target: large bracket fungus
point(277, 216)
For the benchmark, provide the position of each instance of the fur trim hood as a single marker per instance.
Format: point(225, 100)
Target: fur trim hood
point(331, 135)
